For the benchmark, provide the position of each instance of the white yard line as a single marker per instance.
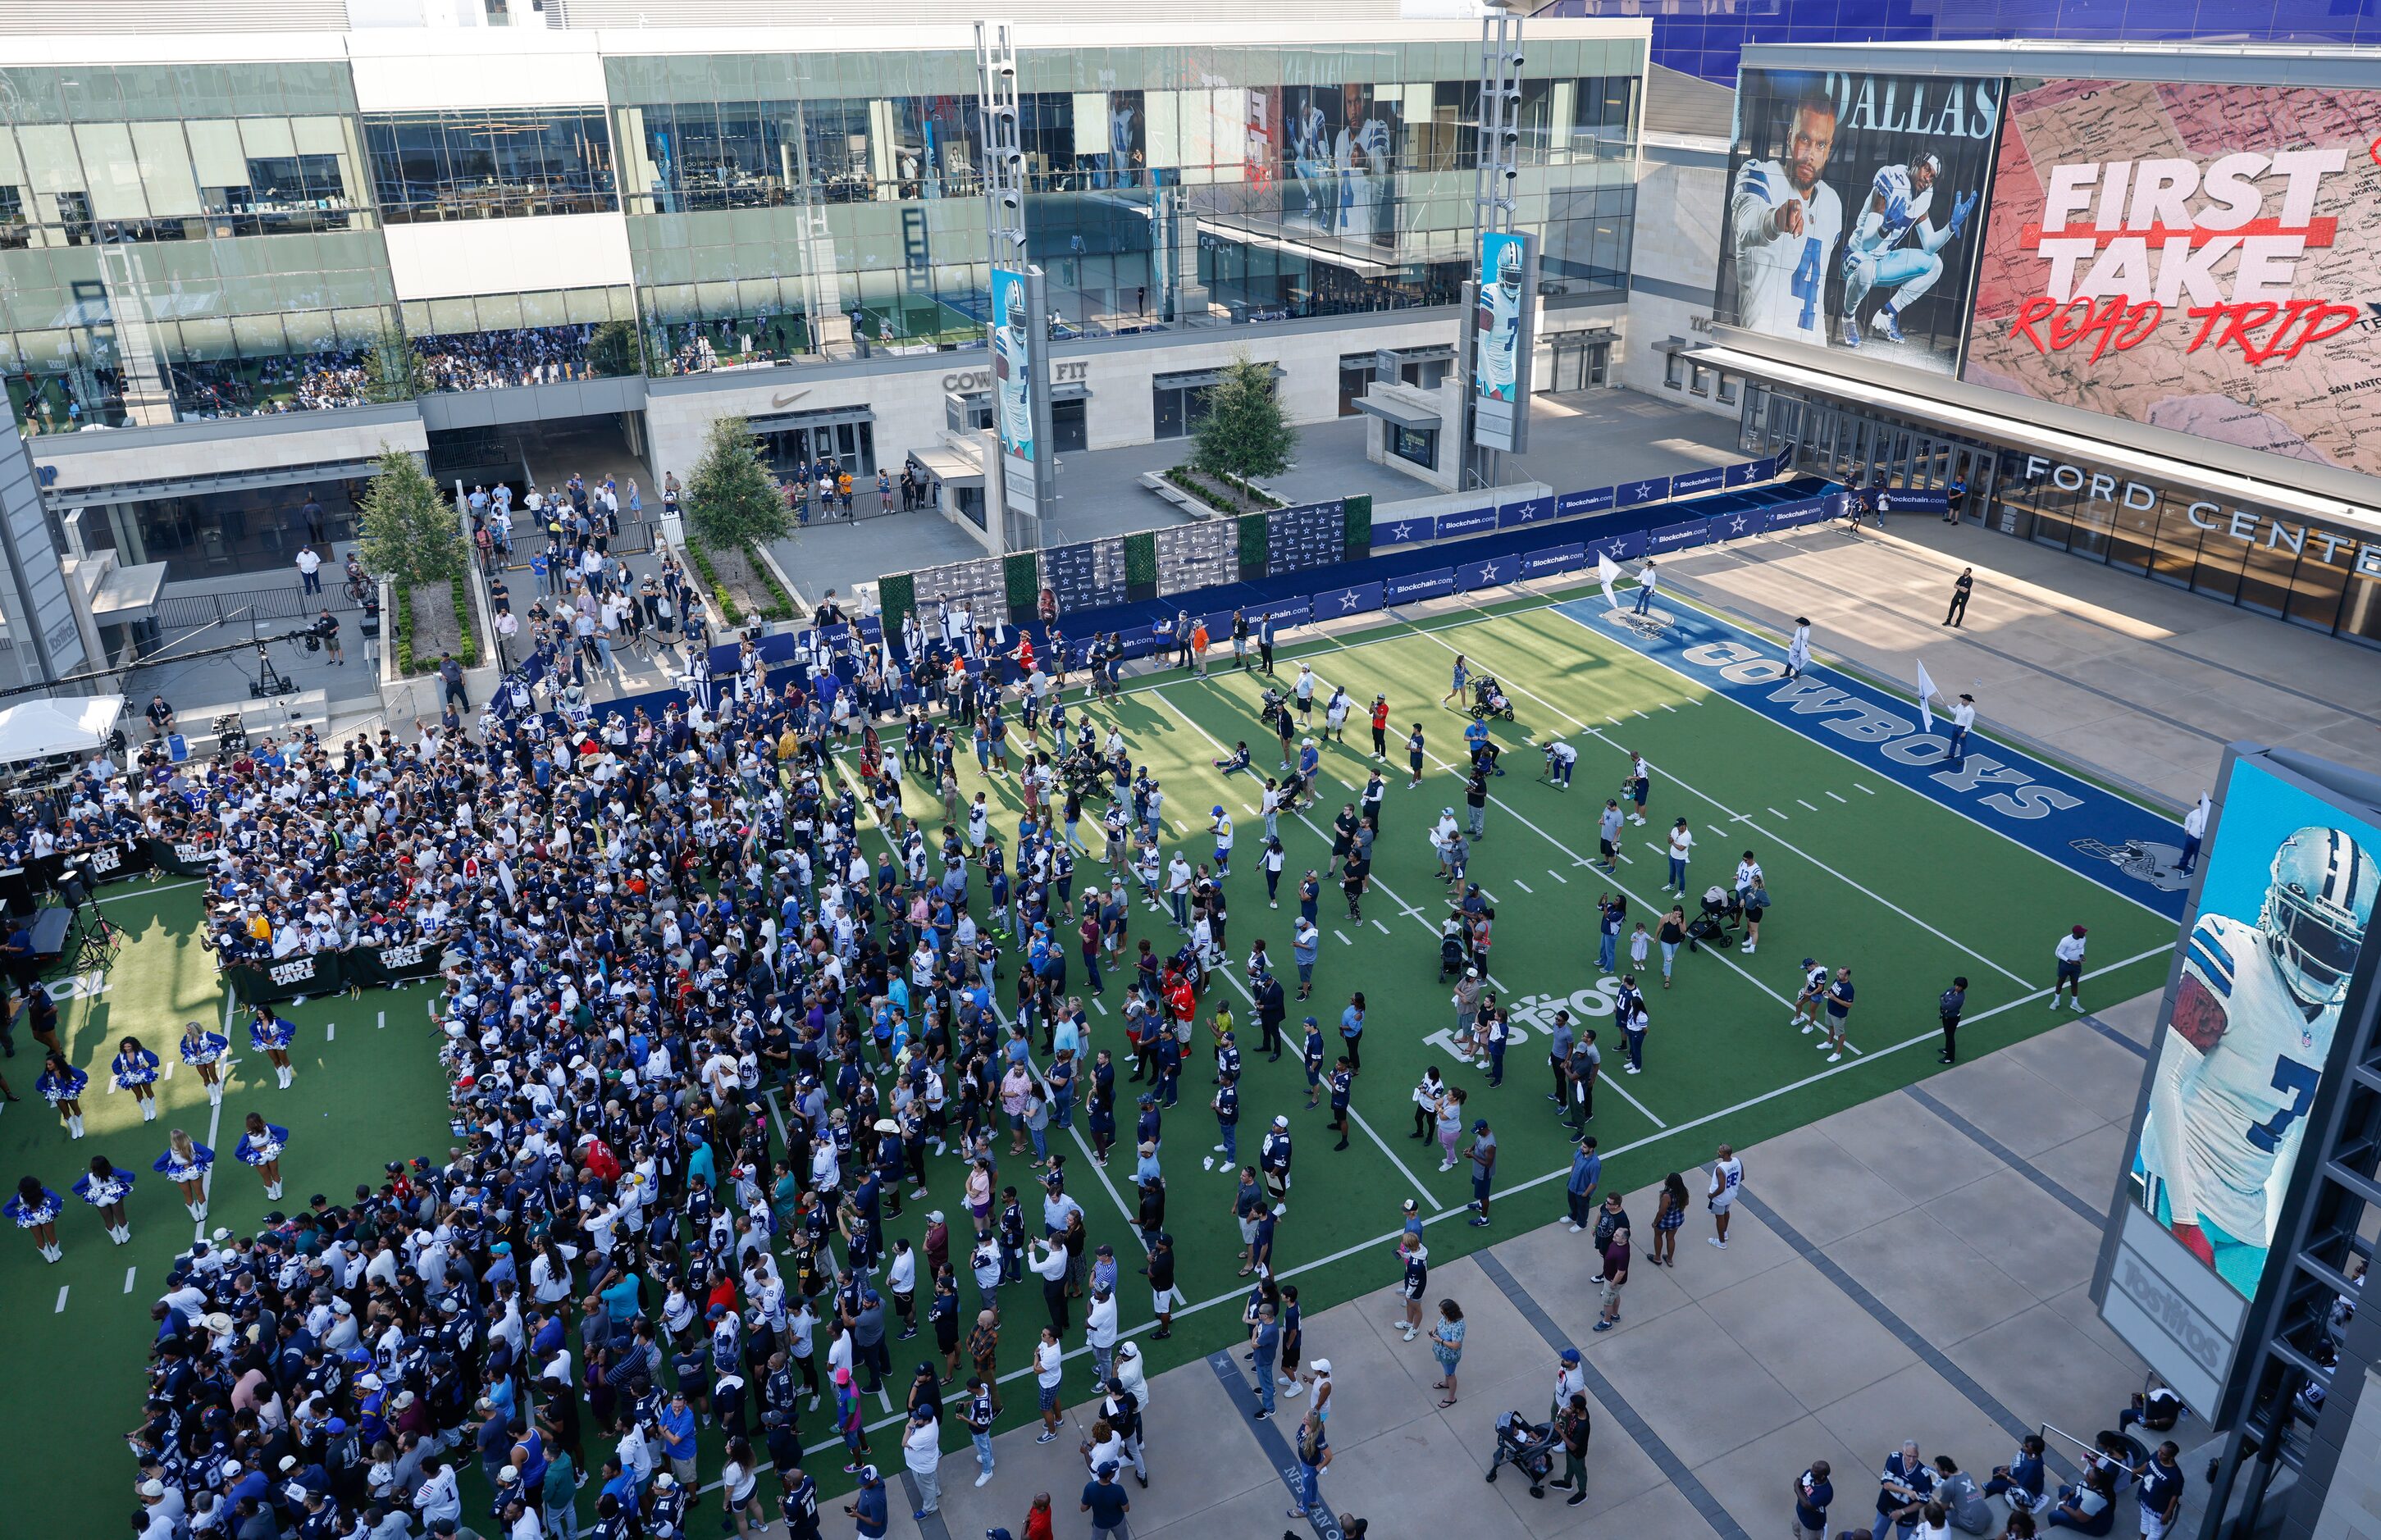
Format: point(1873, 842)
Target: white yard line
point(128, 1272)
point(62, 1300)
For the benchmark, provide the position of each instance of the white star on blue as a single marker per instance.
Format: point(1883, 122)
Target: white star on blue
point(1736, 525)
point(1348, 600)
point(1401, 531)
point(1488, 572)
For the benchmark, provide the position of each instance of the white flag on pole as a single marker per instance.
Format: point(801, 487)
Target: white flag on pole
point(1926, 693)
point(1608, 572)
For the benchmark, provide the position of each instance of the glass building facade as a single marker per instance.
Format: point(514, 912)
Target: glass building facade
point(1703, 37)
point(781, 205)
point(182, 242)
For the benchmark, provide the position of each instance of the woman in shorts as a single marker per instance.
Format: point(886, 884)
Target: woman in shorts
point(1669, 1213)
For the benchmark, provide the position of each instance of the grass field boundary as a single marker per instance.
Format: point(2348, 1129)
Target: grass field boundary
point(1779, 840)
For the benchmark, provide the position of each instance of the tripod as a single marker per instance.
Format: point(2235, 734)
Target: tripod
point(98, 938)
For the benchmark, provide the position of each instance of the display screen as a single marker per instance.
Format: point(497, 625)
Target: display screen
point(2247, 1038)
point(1854, 206)
point(1013, 331)
point(2192, 257)
point(1086, 576)
point(1296, 539)
point(1198, 555)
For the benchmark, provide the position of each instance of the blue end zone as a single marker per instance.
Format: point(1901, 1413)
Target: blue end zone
point(2117, 843)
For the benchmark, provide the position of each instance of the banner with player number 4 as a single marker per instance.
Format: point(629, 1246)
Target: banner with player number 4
point(1854, 201)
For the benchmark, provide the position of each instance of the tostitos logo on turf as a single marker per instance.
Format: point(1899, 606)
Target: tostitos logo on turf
point(1535, 1014)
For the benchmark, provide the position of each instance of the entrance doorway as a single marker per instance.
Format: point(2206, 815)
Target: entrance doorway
point(1581, 362)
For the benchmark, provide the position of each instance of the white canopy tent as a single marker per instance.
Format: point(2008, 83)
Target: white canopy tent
point(74, 724)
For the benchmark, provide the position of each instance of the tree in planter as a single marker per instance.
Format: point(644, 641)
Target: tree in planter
point(730, 498)
point(408, 530)
point(1245, 434)
point(613, 349)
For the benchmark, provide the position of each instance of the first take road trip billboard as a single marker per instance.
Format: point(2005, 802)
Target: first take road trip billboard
point(2283, 912)
point(2192, 257)
point(1854, 205)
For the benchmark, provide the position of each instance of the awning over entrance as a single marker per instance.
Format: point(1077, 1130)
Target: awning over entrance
point(129, 593)
point(1388, 409)
point(2054, 443)
point(947, 466)
point(824, 417)
point(95, 494)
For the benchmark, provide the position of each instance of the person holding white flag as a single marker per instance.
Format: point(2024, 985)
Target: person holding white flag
point(1797, 648)
point(1647, 583)
point(1963, 716)
point(1608, 572)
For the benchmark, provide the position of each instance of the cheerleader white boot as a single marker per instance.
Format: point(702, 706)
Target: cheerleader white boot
point(149, 1111)
point(119, 1235)
point(74, 1127)
point(51, 1253)
point(273, 1194)
point(288, 1075)
point(215, 1095)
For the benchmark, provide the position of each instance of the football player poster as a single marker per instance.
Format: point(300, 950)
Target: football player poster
point(2283, 911)
point(1854, 204)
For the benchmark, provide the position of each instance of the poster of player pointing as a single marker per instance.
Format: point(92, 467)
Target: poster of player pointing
point(2267, 965)
point(1854, 204)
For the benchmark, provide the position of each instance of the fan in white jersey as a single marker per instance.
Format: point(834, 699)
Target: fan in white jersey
point(2253, 1024)
point(1900, 198)
point(1783, 221)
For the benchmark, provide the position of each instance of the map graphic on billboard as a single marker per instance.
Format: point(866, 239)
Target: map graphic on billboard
point(2283, 912)
point(1854, 201)
point(2192, 257)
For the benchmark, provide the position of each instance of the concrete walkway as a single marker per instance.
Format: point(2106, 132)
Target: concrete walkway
point(1912, 1267)
point(2103, 668)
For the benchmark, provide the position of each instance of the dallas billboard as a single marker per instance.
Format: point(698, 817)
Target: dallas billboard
point(2241, 1067)
point(2192, 257)
point(1852, 210)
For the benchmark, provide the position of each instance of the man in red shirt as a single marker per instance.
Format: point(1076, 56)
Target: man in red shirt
point(1381, 727)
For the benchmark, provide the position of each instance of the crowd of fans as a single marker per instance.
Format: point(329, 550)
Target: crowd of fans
point(658, 937)
point(500, 360)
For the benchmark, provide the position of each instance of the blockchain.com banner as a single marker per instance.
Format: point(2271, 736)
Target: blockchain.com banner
point(2192, 257)
point(1855, 200)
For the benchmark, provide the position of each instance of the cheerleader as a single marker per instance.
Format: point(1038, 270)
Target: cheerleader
point(186, 1165)
point(206, 1052)
point(272, 1034)
point(105, 1187)
point(35, 1208)
point(61, 1085)
point(260, 1147)
point(136, 1071)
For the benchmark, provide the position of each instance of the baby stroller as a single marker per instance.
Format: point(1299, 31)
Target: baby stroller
point(1527, 1446)
point(1270, 712)
point(1488, 700)
point(1720, 912)
point(1451, 960)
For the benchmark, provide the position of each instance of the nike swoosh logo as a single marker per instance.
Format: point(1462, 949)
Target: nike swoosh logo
point(783, 401)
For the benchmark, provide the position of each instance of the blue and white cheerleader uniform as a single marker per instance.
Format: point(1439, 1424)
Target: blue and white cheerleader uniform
point(212, 1049)
point(263, 1152)
point(103, 1192)
point(58, 1089)
point(174, 1169)
point(35, 1216)
point(276, 1036)
point(137, 1069)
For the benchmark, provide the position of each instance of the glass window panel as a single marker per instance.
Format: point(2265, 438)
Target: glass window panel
point(2360, 612)
point(257, 336)
point(453, 315)
point(51, 162)
point(2265, 575)
point(166, 169)
point(500, 312)
point(113, 170)
point(2317, 591)
point(216, 154)
point(267, 138)
point(2219, 572)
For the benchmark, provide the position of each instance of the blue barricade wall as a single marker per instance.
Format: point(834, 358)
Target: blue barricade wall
point(1395, 576)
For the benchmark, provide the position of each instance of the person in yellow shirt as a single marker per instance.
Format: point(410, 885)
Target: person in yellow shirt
point(259, 929)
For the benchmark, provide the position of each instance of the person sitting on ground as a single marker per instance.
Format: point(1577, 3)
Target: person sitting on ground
point(1236, 760)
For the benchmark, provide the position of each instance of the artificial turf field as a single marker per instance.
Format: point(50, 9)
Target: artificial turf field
point(1858, 875)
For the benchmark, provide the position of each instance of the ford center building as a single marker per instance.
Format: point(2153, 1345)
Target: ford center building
point(2113, 299)
point(233, 266)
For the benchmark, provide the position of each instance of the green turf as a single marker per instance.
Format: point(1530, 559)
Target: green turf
point(1905, 891)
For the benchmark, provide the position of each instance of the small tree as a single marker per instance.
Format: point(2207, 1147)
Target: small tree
point(1245, 434)
point(408, 530)
point(613, 349)
point(731, 499)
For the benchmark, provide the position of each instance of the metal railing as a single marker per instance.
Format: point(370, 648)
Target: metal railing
point(189, 611)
